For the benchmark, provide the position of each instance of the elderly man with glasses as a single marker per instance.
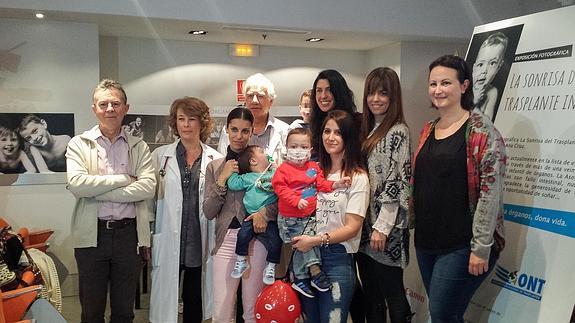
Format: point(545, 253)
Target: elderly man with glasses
point(269, 132)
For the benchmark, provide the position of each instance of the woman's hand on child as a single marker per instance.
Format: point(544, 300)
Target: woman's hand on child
point(344, 182)
point(260, 222)
point(303, 243)
point(302, 204)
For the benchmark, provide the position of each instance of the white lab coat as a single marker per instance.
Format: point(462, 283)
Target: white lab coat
point(166, 238)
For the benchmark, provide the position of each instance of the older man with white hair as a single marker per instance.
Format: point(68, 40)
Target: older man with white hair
point(269, 132)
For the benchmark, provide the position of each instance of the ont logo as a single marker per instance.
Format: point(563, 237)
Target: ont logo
point(518, 282)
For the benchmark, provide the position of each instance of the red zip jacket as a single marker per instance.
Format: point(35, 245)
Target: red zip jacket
point(293, 182)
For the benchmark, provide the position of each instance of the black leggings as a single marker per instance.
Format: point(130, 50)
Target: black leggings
point(383, 289)
point(192, 294)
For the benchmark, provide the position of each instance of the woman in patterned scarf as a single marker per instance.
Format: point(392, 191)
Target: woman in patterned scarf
point(384, 249)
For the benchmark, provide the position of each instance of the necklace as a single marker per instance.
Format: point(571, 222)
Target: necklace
point(457, 121)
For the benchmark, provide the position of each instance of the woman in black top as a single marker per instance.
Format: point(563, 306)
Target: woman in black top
point(458, 170)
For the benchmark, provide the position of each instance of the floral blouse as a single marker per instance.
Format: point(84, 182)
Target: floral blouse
point(486, 161)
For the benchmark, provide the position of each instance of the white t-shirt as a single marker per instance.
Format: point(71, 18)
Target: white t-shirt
point(332, 207)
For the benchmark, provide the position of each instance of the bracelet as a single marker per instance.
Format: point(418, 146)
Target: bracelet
point(221, 188)
point(325, 239)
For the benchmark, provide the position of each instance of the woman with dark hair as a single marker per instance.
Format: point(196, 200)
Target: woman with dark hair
point(227, 208)
point(384, 250)
point(182, 235)
point(459, 166)
point(329, 92)
point(339, 217)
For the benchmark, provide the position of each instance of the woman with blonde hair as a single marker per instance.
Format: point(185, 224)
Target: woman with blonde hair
point(183, 236)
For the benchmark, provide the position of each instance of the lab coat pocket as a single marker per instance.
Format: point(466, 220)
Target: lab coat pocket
point(156, 247)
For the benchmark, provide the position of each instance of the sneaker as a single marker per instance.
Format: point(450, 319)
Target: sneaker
point(240, 268)
point(270, 274)
point(302, 286)
point(321, 282)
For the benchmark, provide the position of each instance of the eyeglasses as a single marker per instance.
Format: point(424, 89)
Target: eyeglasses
point(259, 95)
point(105, 104)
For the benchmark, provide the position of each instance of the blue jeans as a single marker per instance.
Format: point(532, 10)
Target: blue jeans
point(293, 227)
point(270, 239)
point(333, 305)
point(448, 282)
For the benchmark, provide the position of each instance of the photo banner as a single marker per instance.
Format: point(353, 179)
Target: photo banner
point(533, 280)
point(524, 79)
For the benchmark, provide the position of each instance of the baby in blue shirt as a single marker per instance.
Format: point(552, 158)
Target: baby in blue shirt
point(255, 174)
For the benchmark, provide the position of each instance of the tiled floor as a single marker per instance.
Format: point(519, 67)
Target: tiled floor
point(71, 309)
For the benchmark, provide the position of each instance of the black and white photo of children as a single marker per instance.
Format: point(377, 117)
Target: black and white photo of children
point(153, 129)
point(34, 142)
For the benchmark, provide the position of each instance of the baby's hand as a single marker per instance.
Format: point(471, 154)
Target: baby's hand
point(302, 204)
point(344, 182)
point(231, 166)
point(478, 93)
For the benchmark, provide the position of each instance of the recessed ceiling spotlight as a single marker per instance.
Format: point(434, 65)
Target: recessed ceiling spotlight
point(39, 15)
point(314, 40)
point(198, 32)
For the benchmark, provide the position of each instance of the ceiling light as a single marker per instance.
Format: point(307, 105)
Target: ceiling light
point(39, 15)
point(244, 50)
point(314, 40)
point(265, 30)
point(198, 32)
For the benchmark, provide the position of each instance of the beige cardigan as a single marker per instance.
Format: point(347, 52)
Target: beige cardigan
point(88, 187)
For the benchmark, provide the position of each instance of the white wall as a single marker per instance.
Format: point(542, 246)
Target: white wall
point(415, 60)
point(56, 72)
point(385, 56)
point(157, 72)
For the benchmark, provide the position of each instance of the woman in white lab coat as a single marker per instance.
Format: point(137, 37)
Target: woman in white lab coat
point(183, 237)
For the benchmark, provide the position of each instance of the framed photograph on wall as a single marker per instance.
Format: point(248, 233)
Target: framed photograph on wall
point(33, 147)
point(153, 129)
point(490, 55)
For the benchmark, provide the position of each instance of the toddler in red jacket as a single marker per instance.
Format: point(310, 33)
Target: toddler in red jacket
point(296, 183)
